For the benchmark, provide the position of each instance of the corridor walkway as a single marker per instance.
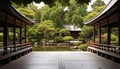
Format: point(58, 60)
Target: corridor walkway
point(61, 60)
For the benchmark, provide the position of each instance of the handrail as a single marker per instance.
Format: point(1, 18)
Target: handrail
point(105, 47)
point(14, 48)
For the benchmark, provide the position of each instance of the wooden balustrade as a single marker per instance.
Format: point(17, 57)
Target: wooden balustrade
point(105, 47)
point(14, 52)
point(14, 48)
point(108, 51)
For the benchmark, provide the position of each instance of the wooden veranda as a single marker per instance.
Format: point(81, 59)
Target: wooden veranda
point(108, 18)
point(11, 21)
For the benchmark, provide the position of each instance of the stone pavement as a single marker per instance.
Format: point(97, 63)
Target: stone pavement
point(61, 60)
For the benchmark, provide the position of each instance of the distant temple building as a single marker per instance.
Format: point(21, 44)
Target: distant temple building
point(74, 31)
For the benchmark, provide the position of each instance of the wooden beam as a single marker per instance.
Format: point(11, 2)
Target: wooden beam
point(2, 16)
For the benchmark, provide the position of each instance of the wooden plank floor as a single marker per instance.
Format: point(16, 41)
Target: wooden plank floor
point(61, 60)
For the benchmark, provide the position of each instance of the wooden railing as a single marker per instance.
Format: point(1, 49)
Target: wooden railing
point(14, 52)
point(14, 48)
point(105, 47)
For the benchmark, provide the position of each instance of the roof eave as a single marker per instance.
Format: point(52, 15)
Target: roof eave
point(103, 13)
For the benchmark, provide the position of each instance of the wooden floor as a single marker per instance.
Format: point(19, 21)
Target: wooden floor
point(61, 60)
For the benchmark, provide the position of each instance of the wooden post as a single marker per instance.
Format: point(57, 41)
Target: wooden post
point(14, 34)
point(5, 36)
point(20, 35)
point(108, 33)
point(119, 35)
point(25, 33)
point(119, 31)
point(99, 33)
point(94, 34)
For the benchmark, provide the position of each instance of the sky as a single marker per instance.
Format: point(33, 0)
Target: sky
point(92, 1)
point(89, 6)
point(41, 4)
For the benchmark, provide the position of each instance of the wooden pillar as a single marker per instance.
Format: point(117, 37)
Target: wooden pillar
point(94, 34)
point(5, 36)
point(25, 33)
point(108, 33)
point(99, 33)
point(14, 33)
point(20, 35)
point(119, 35)
point(119, 30)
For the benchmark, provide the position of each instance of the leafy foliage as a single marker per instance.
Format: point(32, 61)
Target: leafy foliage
point(98, 3)
point(41, 30)
point(104, 40)
point(59, 39)
point(46, 25)
point(75, 13)
point(64, 31)
point(67, 38)
point(83, 47)
point(97, 6)
point(25, 10)
point(50, 2)
point(1, 36)
point(86, 32)
point(55, 14)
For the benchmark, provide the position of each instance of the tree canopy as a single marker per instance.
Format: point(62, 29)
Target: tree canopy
point(75, 13)
point(52, 19)
point(97, 6)
point(50, 2)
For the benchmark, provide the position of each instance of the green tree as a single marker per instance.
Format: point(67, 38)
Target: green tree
point(74, 14)
point(98, 3)
point(64, 31)
point(48, 28)
point(86, 32)
point(36, 11)
point(25, 10)
point(68, 38)
point(50, 2)
point(97, 6)
point(33, 34)
point(55, 14)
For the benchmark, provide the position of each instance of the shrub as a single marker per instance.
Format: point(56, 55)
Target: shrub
point(77, 43)
point(97, 40)
point(59, 39)
point(1, 36)
point(114, 38)
point(82, 39)
point(67, 38)
point(83, 47)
